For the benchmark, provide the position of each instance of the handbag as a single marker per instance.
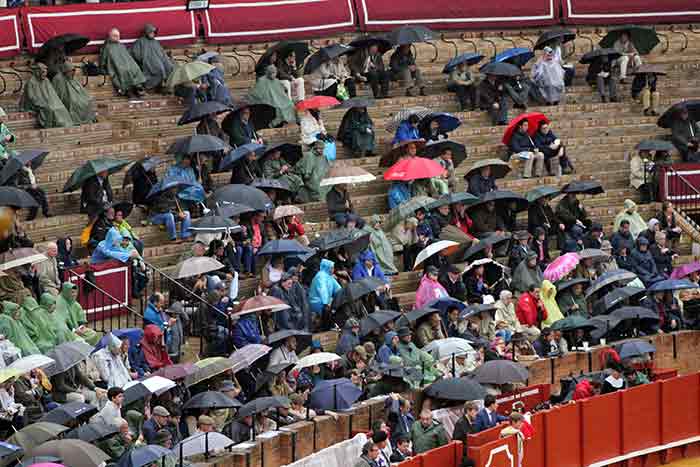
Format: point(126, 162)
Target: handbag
point(329, 150)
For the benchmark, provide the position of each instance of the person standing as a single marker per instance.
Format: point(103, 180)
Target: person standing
point(427, 433)
point(488, 417)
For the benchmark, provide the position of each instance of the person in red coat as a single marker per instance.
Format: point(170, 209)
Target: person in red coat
point(530, 310)
point(586, 389)
point(154, 348)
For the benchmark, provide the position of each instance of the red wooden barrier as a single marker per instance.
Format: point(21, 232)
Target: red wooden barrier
point(630, 11)
point(114, 278)
point(484, 437)
point(562, 431)
point(600, 428)
point(10, 33)
point(499, 453)
point(535, 446)
point(530, 396)
point(680, 408)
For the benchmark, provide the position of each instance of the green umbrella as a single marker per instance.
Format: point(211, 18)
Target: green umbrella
point(643, 38)
point(540, 192)
point(452, 198)
point(36, 434)
point(406, 210)
point(571, 323)
point(92, 168)
point(188, 72)
point(208, 368)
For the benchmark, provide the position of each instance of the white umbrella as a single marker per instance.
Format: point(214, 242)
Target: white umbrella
point(479, 262)
point(341, 175)
point(196, 266)
point(202, 443)
point(286, 211)
point(448, 347)
point(31, 362)
point(432, 249)
point(316, 359)
point(19, 257)
point(154, 384)
point(403, 114)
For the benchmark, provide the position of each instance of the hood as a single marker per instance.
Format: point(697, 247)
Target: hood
point(652, 223)
point(548, 289)
point(367, 255)
point(630, 205)
point(388, 337)
point(149, 28)
point(9, 307)
point(113, 238)
point(66, 289)
point(47, 300)
point(63, 249)
point(327, 266)
point(113, 342)
point(152, 334)
point(29, 303)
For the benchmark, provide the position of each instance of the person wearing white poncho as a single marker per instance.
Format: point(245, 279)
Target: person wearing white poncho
point(548, 76)
point(110, 364)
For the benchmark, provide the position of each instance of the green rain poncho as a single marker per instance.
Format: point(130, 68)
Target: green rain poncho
point(313, 168)
point(271, 169)
point(629, 213)
point(39, 328)
point(79, 104)
point(269, 90)
point(420, 361)
point(11, 327)
point(6, 136)
point(68, 309)
point(116, 61)
point(151, 57)
point(41, 98)
point(381, 246)
point(357, 131)
point(58, 325)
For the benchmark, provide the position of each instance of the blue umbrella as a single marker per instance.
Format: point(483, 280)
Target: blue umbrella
point(145, 455)
point(469, 58)
point(334, 394)
point(283, 247)
point(517, 56)
point(669, 285)
point(443, 304)
point(635, 348)
point(447, 121)
point(239, 153)
point(169, 183)
point(133, 334)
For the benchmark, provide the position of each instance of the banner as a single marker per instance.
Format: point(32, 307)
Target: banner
point(10, 37)
point(630, 11)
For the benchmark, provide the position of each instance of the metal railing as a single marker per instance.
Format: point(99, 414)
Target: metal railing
point(681, 191)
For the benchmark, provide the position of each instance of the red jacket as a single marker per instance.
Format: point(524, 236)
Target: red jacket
point(527, 310)
point(295, 228)
point(583, 390)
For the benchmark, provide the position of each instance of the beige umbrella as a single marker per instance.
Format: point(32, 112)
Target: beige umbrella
point(195, 266)
point(316, 359)
point(286, 211)
point(499, 169)
point(31, 362)
point(338, 175)
point(73, 452)
point(445, 247)
point(20, 257)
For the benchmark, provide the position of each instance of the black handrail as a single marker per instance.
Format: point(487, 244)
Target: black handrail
point(673, 30)
point(523, 37)
point(20, 81)
point(493, 44)
point(4, 83)
point(476, 49)
point(235, 52)
point(503, 37)
point(452, 43)
point(220, 51)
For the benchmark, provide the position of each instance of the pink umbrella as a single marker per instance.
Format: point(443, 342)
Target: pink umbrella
point(561, 266)
point(682, 271)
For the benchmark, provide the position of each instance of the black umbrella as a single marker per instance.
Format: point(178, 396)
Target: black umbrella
point(564, 285)
point(35, 157)
point(356, 290)
point(618, 295)
point(261, 115)
point(92, 432)
point(166, 184)
point(366, 42)
point(418, 313)
point(500, 372)
point(609, 278)
point(376, 320)
point(16, 198)
point(563, 35)
point(197, 143)
point(90, 169)
point(644, 38)
point(434, 148)
point(200, 110)
point(289, 152)
point(261, 404)
point(655, 144)
point(70, 412)
point(243, 194)
point(340, 237)
point(671, 285)
point(283, 247)
point(10, 452)
point(334, 394)
point(573, 322)
point(143, 456)
point(693, 107)
point(453, 198)
point(476, 251)
point(627, 313)
point(211, 400)
point(326, 54)
point(66, 356)
point(68, 42)
point(501, 69)
point(232, 209)
point(271, 184)
point(603, 324)
point(406, 35)
point(303, 338)
point(583, 187)
point(144, 165)
point(456, 389)
point(595, 54)
point(502, 198)
point(282, 49)
point(215, 224)
point(356, 103)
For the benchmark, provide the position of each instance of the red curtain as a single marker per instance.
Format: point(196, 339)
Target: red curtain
point(630, 11)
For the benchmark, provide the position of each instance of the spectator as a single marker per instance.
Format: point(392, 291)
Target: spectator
point(6, 136)
point(667, 223)
point(461, 83)
point(115, 61)
point(150, 56)
point(629, 213)
point(481, 181)
point(516, 424)
point(111, 411)
point(272, 91)
point(370, 455)
point(571, 213)
point(349, 338)
point(289, 74)
point(586, 388)
point(400, 418)
point(162, 213)
point(527, 275)
point(429, 288)
point(379, 438)
point(367, 65)
point(96, 193)
point(137, 360)
point(333, 79)
point(285, 353)
point(407, 130)
point(530, 310)
point(110, 363)
point(548, 293)
point(247, 331)
point(356, 132)
point(466, 425)
point(492, 98)
point(685, 135)
point(12, 328)
point(338, 201)
point(634, 378)
point(40, 97)
point(488, 417)
point(47, 271)
point(663, 256)
point(77, 101)
point(402, 451)
point(487, 220)
point(154, 349)
point(644, 88)
point(600, 74)
point(297, 316)
point(113, 247)
point(643, 263)
point(451, 280)
point(431, 329)
point(572, 301)
point(548, 76)
point(629, 53)
point(313, 168)
point(158, 421)
point(404, 69)
point(523, 147)
point(555, 160)
point(323, 288)
point(427, 433)
point(614, 381)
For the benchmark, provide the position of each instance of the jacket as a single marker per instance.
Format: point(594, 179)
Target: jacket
point(620, 240)
point(455, 289)
point(246, 331)
point(405, 132)
point(485, 420)
point(338, 203)
point(521, 142)
point(95, 194)
point(485, 221)
point(569, 210)
point(530, 311)
point(425, 439)
point(464, 427)
point(359, 271)
point(478, 184)
point(489, 94)
point(399, 193)
point(323, 287)
point(348, 340)
point(358, 60)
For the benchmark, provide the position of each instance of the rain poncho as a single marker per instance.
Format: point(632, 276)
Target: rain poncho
point(111, 367)
point(116, 61)
point(419, 360)
point(323, 287)
point(153, 349)
point(39, 329)
point(429, 290)
point(271, 92)
point(12, 289)
point(77, 101)
point(57, 327)
point(566, 301)
point(548, 75)
point(524, 276)
point(405, 132)
point(356, 131)
point(71, 312)
point(5, 135)
point(360, 271)
point(179, 172)
point(272, 169)
point(217, 89)
point(381, 246)
point(312, 168)
point(348, 339)
point(152, 59)
point(548, 295)
point(399, 193)
point(11, 327)
point(629, 213)
point(41, 98)
point(110, 248)
point(387, 350)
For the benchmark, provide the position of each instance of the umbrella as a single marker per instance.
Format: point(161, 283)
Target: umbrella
point(188, 72)
point(16, 198)
point(670, 285)
point(517, 56)
point(261, 115)
point(289, 152)
point(138, 390)
point(572, 322)
point(376, 320)
point(260, 303)
point(200, 110)
point(403, 114)
point(644, 38)
point(19, 257)
point(541, 192)
point(243, 194)
point(477, 308)
point(533, 122)
point(69, 43)
point(92, 432)
point(283, 247)
point(90, 169)
point(561, 266)
point(456, 389)
point(413, 168)
point(446, 121)
point(261, 404)
point(36, 434)
point(271, 184)
point(654, 145)
point(144, 165)
point(419, 313)
point(334, 394)
point(340, 238)
point(683, 271)
point(196, 266)
point(356, 290)
point(635, 348)
point(283, 49)
point(67, 355)
point(177, 371)
point(448, 347)
point(286, 211)
point(453, 198)
point(667, 118)
point(444, 247)
point(396, 152)
point(502, 197)
point(215, 224)
point(34, 157)
point(406, 35)
point(315, 359)
point(10, 452)
point(303, 338)
point(609, 278)
point(563, 35)
point(326, 54)
point(499, 169)
point(434, 149)
point(232, 210)
point(72, 452)
point(144, 456)
point(166, 184)
point(595, 54)
point(343, 174)
point(469, 58)
point(356, 103)
point(614, 297)
point(70, 412)
point(133, 334)
point(592, 253)
point(648, 69)
point(443, 304)
point(587, 188)
point(564, 285)
point(503, 69)
point(492, 240)
point(31, 362)
point(210, 400)
point(206, 56)
point(500, 372)
point(197, 143)
point(406, 210)
point(627, 313)
point(317, 102)
point(208, 368)
point(365, 42)
point(239, 153)
point(248, 355)
point(203, 443)
point(603, 324)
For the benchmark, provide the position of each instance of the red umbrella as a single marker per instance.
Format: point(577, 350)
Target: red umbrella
point(413, 168)
point(533, 120)
point(260, 303)
point(317, 102)
point(177, 371)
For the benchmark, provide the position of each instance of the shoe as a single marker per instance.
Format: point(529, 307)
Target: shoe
point(614, 99)
point(47, 215)
point(604, 99)
point(422, 91)
point(646, 112)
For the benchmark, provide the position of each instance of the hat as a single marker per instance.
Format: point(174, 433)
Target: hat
point(162, 436)
point(379, 436)
point(205, 420)
point(352, 323)
point(360, 350)
point(596, 227)
point(227, 385)
point(160, 411)
point(547, 49)
point(403, 332)
point(431, 270)
point(453, 269)
point(642, 241)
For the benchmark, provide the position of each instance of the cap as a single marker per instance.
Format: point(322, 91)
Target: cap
point(521, 235)
point(205, 420)
point(403, 332)
point(453, 269)
point(160, 411)
point(162, 436)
